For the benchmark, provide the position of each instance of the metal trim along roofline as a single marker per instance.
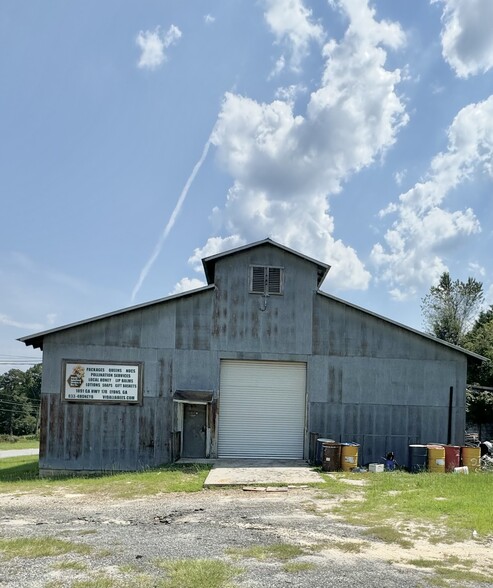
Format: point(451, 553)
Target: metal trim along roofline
point(402, 326)
point(210, 262)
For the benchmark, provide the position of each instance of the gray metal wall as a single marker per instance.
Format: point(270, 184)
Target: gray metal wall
point(380, 385)
point(369, 381)
point(172, 341)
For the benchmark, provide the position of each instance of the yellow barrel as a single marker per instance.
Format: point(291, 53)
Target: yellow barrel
point(436, 459)
point(471, 457)
point(349, 456)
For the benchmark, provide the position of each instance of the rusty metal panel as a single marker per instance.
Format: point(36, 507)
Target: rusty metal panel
point(109, 438)
point(195, 370)
point(245, 322)
point(194, 321)
point(92, 436)
point(146, 434)
point(43, 433)
point(74, 433)
point(162, 431)
point(57, 413)
point(158, 326)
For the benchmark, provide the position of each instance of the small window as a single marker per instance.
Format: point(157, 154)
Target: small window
point(266, 280)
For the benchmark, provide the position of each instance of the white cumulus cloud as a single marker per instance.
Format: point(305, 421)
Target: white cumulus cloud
point(153, 45)
point(186, 284)
point(467, 39)
point(214, 245)
point(416, 245)
point(292, 25)
point(286, 166)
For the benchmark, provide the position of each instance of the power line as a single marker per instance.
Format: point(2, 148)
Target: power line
point(18, 411)
point(28, 400)
point(16, 362)
point(4, 357)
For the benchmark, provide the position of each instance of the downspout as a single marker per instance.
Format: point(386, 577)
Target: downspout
point(450, 406)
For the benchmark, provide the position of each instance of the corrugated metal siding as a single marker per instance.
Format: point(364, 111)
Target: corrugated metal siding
point(244, 323)
point(262, 409)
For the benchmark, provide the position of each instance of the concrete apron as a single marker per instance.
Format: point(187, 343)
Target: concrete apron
point(244, 472)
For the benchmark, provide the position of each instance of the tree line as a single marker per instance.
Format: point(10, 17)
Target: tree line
point(20, 401)
point(452, 312)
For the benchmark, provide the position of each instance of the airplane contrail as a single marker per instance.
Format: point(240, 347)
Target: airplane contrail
point(171, 221)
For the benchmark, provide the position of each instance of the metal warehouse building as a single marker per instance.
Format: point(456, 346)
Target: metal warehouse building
point(247, 366)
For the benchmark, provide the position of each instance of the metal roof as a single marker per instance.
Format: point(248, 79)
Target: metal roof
point(209, 263)
point(36, 340)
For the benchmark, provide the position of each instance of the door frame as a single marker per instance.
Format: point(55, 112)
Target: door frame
point(180, 420)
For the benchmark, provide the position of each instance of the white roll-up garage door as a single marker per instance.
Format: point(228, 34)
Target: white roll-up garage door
point(261, 409)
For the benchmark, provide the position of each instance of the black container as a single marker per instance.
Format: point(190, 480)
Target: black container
point(418, 458)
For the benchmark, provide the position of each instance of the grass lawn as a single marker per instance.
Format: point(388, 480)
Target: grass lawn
point(19, 443)
point(20, 474)
point(454, 505)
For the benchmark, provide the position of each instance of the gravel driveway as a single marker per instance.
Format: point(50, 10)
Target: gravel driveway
point(127, 537)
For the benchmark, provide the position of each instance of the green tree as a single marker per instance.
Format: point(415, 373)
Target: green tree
point(451, 306)
point(480, 340)
point(479, 403)
point(19, 401)
point(479, 408)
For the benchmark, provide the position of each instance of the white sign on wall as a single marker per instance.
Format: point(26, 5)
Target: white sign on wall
point(101, 382)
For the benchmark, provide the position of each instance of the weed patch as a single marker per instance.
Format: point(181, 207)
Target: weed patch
point(40, 547)
point(452, 569)
point(279, 551)
point(76, 566)
point(347, 546)
point(206, 573)
point(389, 535)
point(105, 581)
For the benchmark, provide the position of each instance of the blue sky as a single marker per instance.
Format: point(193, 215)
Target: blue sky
point(137, 137)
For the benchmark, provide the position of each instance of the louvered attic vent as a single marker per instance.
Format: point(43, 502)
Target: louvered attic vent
point(266, 280)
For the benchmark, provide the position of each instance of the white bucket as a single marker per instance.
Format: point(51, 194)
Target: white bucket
point(461, 470)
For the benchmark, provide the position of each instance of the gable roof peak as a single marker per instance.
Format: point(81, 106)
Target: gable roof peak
point(209, 262)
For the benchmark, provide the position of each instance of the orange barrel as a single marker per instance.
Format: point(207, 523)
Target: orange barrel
point(452, 457)
point(349, 456)
point(418, 458)
point(471, 457)
point(436, 459)
point(331, 461)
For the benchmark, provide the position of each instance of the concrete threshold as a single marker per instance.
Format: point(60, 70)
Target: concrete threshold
point(244, 472)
